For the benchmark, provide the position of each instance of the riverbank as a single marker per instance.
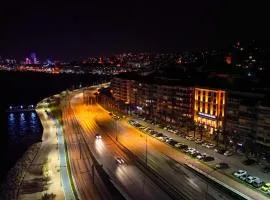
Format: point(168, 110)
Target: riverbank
point(11, 186)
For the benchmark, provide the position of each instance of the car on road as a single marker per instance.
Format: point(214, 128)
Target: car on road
point(266, 188)
point(239, 173)
point(222, 165)
point(249, 162)
point(119, 160)
point(98, 136)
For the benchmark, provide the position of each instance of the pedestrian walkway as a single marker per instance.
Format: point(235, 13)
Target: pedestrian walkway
point(66, 183)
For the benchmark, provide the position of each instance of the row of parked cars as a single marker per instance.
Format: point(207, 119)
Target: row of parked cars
point(256, 182)
point(181, 146)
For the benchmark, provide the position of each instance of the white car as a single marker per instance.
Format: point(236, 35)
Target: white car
point(239, 173)
point(228, 153)
point(177, 145)
point(210, 146)
point(190, 150)
point(98, 136)
point(119, 160)
point(201, 156)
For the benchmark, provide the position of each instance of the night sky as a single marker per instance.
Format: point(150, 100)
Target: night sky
point(67, 31)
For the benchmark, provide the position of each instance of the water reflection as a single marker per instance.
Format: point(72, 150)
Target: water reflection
point(23, 125)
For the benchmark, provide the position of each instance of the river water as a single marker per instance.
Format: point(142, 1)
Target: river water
point(19, 130)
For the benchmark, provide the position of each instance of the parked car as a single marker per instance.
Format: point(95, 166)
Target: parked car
point(222, 166)
point(191, 138)
point(239, 173)
point(194, 153)
point(257, 183)
point(198, 141)
point(178, 144)
point(201, 156)
point(168, 139)
point(172, 142)
point(189, 150)
point(210, 146)
point(249, 162)
point(156, 135)
point(243, 177)
point(208, 159)
point(183, 147)
point(266, 188)
point(220, 150)
point(228, 153)
point(251, 179)
point(204, 144)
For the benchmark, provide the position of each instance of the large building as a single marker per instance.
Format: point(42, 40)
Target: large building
point(162, 100)
point(263, 125)
point(241, 114)
point(209, 108)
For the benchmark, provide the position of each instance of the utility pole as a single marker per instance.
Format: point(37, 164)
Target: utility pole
point(146, 149)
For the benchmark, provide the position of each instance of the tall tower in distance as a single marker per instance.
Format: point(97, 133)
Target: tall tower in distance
point(34, 58)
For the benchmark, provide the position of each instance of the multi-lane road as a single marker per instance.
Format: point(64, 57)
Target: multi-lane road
point(131, 179)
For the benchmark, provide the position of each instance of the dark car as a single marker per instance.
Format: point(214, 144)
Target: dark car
point(249, 162)
point(222, 166)
point(183, 147)
point(208, 158)
point(220, 150)
point(172, 142)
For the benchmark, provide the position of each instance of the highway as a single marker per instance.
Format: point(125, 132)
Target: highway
point(188, 184)
point(132, 183)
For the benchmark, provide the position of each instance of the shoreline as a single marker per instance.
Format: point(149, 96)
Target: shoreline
point(44, 167)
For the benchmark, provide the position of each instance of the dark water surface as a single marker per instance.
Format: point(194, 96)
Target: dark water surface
point(19, 130)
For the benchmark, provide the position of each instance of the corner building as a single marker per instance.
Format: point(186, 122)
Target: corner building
point(209, 108)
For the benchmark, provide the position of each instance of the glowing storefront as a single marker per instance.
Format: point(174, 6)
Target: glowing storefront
point(209, 107)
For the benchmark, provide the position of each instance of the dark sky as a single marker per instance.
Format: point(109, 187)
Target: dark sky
point(62, 30)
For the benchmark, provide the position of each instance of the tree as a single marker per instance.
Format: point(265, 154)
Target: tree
point(47, 196)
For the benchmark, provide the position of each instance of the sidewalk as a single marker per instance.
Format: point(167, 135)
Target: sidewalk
point(34, 185)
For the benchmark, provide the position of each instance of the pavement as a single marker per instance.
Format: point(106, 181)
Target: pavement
point(33, 185)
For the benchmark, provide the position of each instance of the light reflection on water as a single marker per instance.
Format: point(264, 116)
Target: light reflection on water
point(22, 125)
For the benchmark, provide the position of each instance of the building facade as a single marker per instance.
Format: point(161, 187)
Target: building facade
point(209, 108)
